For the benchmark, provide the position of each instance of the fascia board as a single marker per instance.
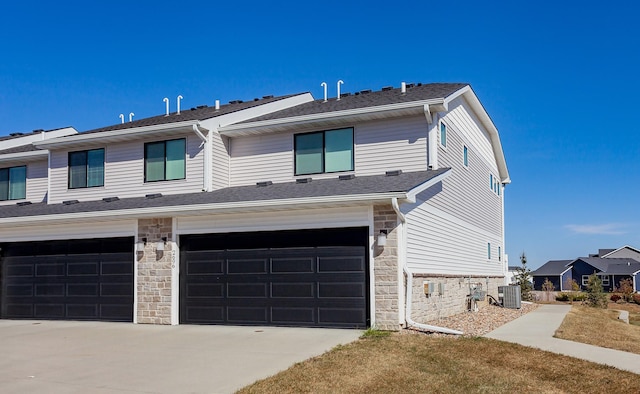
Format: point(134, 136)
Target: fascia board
point(23, 155)
point(180, 210)
point(237, 128)
point(411, 195)
point(105, 136)
point(41, 136)
point(619, 249)
point(563, 272)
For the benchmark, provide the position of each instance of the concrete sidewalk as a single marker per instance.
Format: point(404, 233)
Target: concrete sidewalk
point(536, 329)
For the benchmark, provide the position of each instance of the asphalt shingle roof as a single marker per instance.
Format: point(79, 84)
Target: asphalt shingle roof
point(618, 266)
point(290, 190)
point(366, 99)
point(552, 268)
point(197, 113)
point(19, 149)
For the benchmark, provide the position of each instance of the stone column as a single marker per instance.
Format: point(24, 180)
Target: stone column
point(154, 272)
point(385, 268)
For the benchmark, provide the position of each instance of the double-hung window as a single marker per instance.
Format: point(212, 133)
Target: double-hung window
point(324, 151)
point(13, 183)
point(86, 168)
point(164, 160)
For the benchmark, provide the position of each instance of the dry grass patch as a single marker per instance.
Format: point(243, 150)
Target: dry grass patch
point(402, 363)
point(601, 327)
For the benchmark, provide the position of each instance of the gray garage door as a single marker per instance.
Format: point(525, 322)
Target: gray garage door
point(71, 279)
point(315, 278)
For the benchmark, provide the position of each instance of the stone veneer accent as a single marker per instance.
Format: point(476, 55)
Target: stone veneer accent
point(385, 269)
point(454, 300)
point(154, 272)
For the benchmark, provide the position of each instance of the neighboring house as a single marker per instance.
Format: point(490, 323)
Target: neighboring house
point(279, 211)
point(611, 265)
point(511, 278)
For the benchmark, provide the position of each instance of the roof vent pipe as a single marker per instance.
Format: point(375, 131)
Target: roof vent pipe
point(217, 105)
point(340, 82)
point(403, 87)
point(166, 101)
point(131, 115)
point(179, 98)
point(121, 118)
point(324, 84)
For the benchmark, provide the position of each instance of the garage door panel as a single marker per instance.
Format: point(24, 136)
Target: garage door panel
point(247, 315)
point(91, 282)
point(289, 316)
point(292, 284)
point(293, 290)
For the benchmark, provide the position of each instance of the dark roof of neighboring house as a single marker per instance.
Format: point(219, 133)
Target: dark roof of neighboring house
point(617, 266)
point(19, 149)
point(365, 99)
point(196, 113)
point(291, 190)
point(552, 268)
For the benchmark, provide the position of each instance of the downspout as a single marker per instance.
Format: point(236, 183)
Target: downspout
point(206, 180)
point(403, 261)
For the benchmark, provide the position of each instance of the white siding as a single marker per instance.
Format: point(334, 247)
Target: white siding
point(379, 146)
point(440, 243)
point(395, 144)
point(466, 193)
point(262, 158)
point(273, 221)
point(36, 182)
point(220, 161)
point(124, 173)
point(93, 229)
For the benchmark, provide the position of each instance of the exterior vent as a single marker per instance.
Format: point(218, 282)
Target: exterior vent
point(256, 99)
point(267, 97)
point(410, 85)
point(36, 131)
point(393, 173)
point(23, 203)
point(15, 134)
point(263, 184)
point(509, 296)
point(154, 195)
point(110, 199)
point(304, 180)
point(345, 94)
point(70, 202)
point(385, 88)
point(346, 177)
point(365, 91)
point(419, 84)
point(201, 106)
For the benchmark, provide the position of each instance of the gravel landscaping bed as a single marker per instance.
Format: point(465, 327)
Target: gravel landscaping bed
point(487, 319)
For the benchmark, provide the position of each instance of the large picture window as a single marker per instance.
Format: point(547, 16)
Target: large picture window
point(13, 183)
point(325, 151)
point(86, 168)
point(164, 160)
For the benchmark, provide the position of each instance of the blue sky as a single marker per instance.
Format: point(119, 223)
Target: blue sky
point(559, 79)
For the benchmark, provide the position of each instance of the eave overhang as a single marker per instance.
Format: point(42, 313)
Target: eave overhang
point(23, 156)
point(331, 119)
point(118, 135)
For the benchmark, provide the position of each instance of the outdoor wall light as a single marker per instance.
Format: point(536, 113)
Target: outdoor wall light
point(160, 244)
point(140, 245)
point(382, 238)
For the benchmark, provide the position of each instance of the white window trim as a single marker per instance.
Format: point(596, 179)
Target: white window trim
point(440, 124)
point(465, 148)
point(607, 283)
point(585, 280)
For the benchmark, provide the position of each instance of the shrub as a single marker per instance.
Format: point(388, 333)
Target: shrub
point(562, 296)
point(636, 298)
point(625, 287)
point(571, 296)
point(596, 297)
point(615, 297)
point(547, 285)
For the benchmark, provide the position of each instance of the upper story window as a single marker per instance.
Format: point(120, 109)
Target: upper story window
point(324, 151)
point(489, 250)
point(86, 168)
point(465, 156)
point(13, 183)
point(443, 135)
point(164, 160)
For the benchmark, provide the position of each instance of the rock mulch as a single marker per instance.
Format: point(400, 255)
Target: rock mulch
point(487, 319)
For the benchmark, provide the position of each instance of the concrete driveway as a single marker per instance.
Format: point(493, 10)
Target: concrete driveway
point(93, 357)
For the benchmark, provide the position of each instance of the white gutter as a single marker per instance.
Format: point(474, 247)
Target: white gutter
point(418, 105)
point(185, 210)
point(409, 287)
point(114, 134)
